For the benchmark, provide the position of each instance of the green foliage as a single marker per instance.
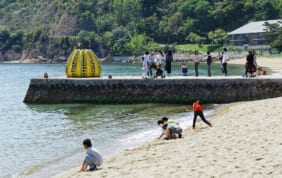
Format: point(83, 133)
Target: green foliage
point(193, 47)
point(195, 38)
point(11, 40)
point(274, 34)
point(125, 27)
point(217, 36)
point(215, 47)
point(138, 43)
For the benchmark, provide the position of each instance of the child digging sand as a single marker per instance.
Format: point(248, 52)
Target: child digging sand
point(92, 158)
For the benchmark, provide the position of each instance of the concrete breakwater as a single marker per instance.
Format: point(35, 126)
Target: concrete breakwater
point(178, 90)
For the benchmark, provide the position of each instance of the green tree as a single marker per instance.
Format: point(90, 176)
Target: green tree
point(274, 34)
point(217, 36)
point(4, 38)
point(138, 43)
point(195, 38)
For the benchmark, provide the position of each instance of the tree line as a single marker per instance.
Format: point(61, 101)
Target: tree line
point(124, 27)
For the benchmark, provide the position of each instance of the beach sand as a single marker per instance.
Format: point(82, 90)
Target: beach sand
point(246, 141)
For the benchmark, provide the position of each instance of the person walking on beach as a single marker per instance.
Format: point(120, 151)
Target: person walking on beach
point(209, 61)
point(196, 62)
point(225, 58)
point(93, 158)
point(168, 60)
point(198, 111)
point(184, 69)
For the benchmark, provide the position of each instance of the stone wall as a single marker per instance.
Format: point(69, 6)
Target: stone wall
point(179, 91)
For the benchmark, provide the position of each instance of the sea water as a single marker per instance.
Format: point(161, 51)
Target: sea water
point(43, 140)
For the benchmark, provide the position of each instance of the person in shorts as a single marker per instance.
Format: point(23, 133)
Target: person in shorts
point(173, 128)
point(93, 158)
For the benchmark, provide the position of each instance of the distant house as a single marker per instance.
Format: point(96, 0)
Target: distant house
point(250, 34)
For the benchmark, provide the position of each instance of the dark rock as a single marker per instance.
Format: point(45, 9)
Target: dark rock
point(179, 91)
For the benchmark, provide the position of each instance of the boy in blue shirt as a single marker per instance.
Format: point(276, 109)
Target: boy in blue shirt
point(93, 158)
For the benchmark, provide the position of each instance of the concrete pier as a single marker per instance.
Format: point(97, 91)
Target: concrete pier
point(129, 90)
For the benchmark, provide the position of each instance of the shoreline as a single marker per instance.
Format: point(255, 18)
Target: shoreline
point(233, 147)
point(179, 58)
point(136, 139)
point(237, 145)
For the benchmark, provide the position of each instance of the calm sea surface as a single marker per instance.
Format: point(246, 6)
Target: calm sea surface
point(43, 140)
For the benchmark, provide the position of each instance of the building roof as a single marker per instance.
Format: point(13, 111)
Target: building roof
point(253, 27)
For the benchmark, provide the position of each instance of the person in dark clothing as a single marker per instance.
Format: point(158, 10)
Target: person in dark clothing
point(159, 72)
point(168, 60)
point(198, 111)
point(249, 64)
point(209, 61)
point(225, 58)
point(184, 69)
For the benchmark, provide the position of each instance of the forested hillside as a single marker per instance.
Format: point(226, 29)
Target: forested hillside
point(52, 28)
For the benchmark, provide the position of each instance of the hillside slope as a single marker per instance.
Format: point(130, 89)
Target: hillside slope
point(51, 29)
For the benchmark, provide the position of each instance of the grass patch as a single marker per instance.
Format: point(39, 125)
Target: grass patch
point(201, 48)
point(192, 47)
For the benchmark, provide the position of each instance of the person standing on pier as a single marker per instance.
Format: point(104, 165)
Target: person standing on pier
point(197, 61)
point(146, 63)
point(144, 68)
point(209, 61)
point(159, 58)
point(250, 64)
point(225, 58)
point(220, 56)
point(168, 60)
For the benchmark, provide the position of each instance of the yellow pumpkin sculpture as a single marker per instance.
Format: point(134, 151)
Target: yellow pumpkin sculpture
point(83, 63)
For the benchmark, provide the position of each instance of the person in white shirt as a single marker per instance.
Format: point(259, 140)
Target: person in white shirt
point(159, 59)
point(93, 157)
point(225, 58)
point(144, 68)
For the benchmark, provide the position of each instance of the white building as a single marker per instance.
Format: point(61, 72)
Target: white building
point(250, 34)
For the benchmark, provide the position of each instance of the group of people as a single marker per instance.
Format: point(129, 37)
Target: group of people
point(171, 128)
point(154, 62)
point(197, 60)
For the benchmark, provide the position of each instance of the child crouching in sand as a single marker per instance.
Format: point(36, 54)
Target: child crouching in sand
point(169, 128)
point(93, 158)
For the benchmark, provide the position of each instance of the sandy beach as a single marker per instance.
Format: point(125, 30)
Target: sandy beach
point(246, 141)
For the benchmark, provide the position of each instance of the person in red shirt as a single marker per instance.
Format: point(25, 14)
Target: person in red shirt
point(198, 111)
